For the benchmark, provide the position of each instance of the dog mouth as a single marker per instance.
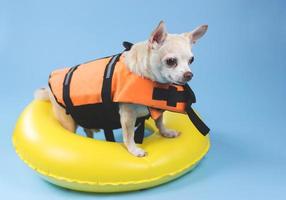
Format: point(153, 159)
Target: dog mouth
point(179, 83)
point(176, 82)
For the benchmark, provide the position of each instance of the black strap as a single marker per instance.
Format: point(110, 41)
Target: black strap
point(138, 135)
point(198, 123)
point(172, 96)
point(106, 94)
point(139, 132)
point(66, 89)
point(109, 136)
point(107, 81)
point(127, 45)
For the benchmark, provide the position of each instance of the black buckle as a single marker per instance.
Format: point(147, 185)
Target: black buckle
point(172, 96)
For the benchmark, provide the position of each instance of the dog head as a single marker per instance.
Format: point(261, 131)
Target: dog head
point(170, 55)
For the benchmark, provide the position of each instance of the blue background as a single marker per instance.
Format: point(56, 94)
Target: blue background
point(239, 81)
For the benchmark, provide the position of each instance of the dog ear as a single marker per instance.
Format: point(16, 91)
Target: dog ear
point(197, 33)
point(158, 36)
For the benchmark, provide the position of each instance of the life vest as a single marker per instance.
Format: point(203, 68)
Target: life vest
point(91, 92)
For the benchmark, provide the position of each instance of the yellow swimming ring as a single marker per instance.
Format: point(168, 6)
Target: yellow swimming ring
point(80, 163)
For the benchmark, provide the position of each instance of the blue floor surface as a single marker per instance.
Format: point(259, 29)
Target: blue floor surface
point(240, 83)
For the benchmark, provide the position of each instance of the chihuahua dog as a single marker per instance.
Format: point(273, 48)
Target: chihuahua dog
point(163, 58)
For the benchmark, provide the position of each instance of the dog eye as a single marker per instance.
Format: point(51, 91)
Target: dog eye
point(172, 62)
point(191, 60)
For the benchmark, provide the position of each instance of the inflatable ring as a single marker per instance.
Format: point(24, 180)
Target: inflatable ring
point(80, 163)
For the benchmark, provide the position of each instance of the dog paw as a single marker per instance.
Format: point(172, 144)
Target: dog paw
point(170, 133)
point(136, 151)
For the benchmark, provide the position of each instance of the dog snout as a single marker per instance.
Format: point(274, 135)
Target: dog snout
point(188, 76)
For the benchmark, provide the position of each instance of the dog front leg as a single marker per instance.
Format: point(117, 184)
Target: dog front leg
point(128, 119)
point(165, 131)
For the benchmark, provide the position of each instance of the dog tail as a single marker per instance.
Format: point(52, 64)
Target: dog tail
point(42, 94)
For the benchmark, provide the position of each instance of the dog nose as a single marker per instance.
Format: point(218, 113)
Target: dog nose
point(188, 76)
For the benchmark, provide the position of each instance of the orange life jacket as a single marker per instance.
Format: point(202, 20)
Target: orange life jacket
point(90, 92)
